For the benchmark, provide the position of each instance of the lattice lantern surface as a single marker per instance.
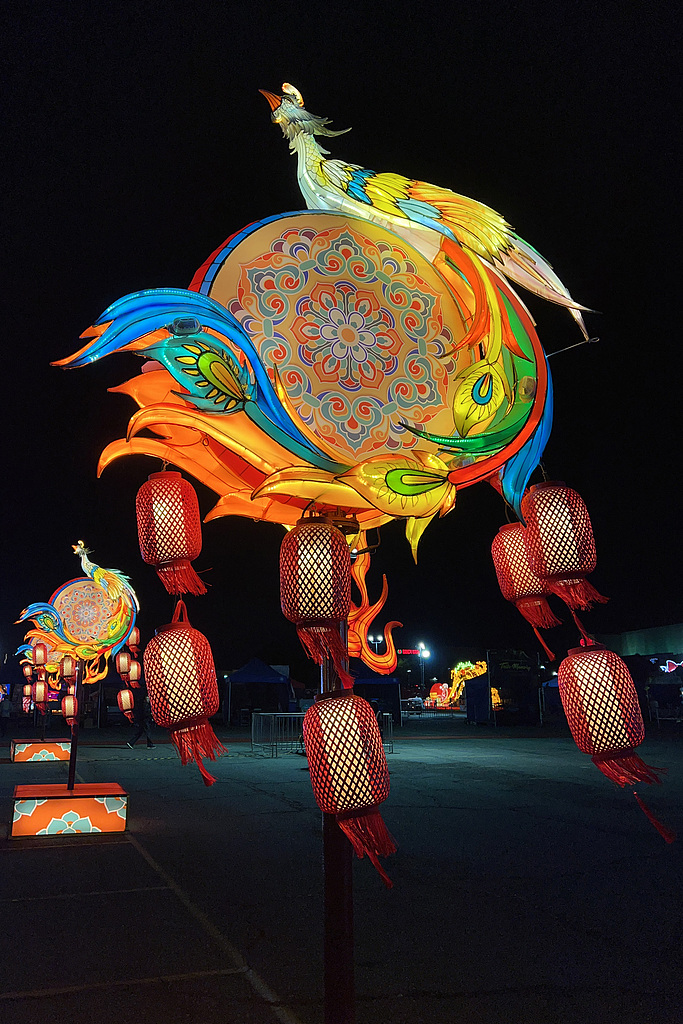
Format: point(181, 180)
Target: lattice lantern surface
point(70, 708)
point(600, 701)
point(559, 542)
point(315, 589)
point(182, 687)
point(170, 530)
point(518, 582)
point(126, 703)
point(349, 771)
point(40, 695)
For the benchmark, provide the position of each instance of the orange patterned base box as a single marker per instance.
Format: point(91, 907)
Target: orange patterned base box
point(40, 750)
point(55, 811)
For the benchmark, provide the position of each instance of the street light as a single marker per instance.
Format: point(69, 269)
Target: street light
point(422, 654)
point(376, 641)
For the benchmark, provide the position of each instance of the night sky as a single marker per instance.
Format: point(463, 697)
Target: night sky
point(135, 142)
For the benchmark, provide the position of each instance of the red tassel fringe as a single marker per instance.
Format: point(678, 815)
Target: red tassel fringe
point(368, 833)
point(577, 594)
point(667, 834)
point(195, 742)
point(538, 612)
point(325, 642)
point(628, 770)
point(180, 578)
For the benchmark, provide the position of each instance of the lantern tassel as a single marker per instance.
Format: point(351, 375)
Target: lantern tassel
point(627, 769)
point(323, 641)
point(667, 834)
point(180, 578)
point(551, 656)
point(577, 594)
point(537, 612)
point(195, 742)
point(369, 835)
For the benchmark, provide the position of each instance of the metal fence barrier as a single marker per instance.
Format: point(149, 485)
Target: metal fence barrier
point(276, 733)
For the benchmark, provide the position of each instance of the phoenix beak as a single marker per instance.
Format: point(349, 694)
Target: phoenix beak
point(273, 100)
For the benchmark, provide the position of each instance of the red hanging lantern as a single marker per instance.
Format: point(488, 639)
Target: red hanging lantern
point(519, 583)
point(39, 653)
point(70, 708)
point(170, 531)
point(559, 543)
point(126, 702)
point(71, 688)
point(134, 674)
point(600, 701)
point(133, 640)
point(67, 667)
point(27, 669)
point(315, 589)
point(40, 695)
point(349, 771)
point(123, 660)
point(182, 687)
point(28, 690)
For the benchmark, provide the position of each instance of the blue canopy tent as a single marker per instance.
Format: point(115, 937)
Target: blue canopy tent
point(260, 686)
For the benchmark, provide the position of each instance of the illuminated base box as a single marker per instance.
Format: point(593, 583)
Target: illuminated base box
point(55, 811)
point(40, 750)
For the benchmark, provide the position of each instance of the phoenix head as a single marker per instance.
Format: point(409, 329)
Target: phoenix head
point(289, 112)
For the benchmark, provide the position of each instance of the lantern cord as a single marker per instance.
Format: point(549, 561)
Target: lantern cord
point(180, 578)
point(577, 594)
point(551, 656)
point(627, 769)
point(195, 742)
point(324, 641)
point(579, 625)
point(667, 834)
point(369, 835)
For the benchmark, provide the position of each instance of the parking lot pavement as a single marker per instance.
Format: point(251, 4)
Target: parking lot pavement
point(526, 888)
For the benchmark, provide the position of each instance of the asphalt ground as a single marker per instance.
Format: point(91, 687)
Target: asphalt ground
point(527, 888)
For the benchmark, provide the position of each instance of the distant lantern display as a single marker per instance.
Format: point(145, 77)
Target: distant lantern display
point(170, 530)
point(518, 582)
point(70, 708)
point(40, 695)
point(600, 701)
point(27, 669)
point(315, 589)
point(28, 690)
point(67, 667)
point(126, 703)
point(560, 544)
point(349, 771)
point(183, 691)
point(134, 674)
point(39, 654)
point(123, 660)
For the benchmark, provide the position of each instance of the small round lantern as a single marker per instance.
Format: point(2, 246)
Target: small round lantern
point(315, 589)
point(39, 654)
point(183, 691)
point(559, 543)
point(349, 771)
point(40, 695)
point(67, 667)
point(170, 531)
point(519, 583)
point(123, 660)
point(28, 690)
point(133, 640)
point(27, 669)
point(126, 703)
point(70, 708)
point(600, 701)
point(134, 674)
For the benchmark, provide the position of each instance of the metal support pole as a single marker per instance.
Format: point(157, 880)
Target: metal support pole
point(74, 728)
point(338, 903)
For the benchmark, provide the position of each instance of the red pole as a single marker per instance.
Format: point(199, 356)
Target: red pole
point(338, 903)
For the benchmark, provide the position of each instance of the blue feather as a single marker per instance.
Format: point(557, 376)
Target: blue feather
point(514, 476)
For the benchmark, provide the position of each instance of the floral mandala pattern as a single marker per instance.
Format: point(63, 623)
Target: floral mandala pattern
point(358, 337)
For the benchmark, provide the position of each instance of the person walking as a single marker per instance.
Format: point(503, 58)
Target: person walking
point(142, 716)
